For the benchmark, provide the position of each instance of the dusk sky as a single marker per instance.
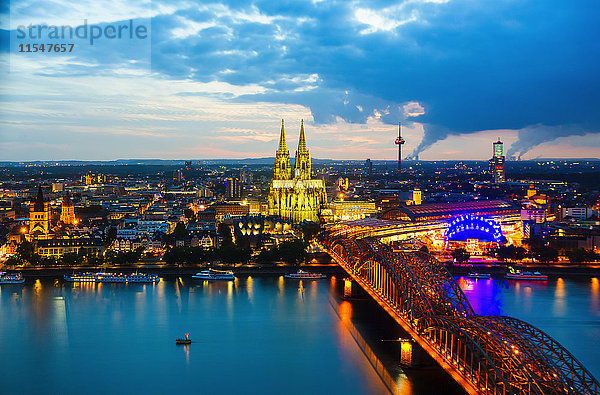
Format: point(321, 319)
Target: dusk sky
point(214, 80)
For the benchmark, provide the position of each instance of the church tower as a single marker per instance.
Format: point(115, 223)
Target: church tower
point(299, 198)
point(302, 164)
point(282, 159)
point(67, 213)
point(39, 217)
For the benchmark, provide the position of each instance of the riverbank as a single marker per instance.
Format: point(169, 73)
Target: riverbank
point(254, 270)
point(550, 270)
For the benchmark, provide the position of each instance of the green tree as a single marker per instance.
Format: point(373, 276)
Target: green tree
point(190, 216)
point(461, 255)
point(580, 255)
point(291, 251)
point(520, 253)
point(267, 256)
point(25, 251)
point(180, 231)
point(71, 259)
point(309, 230)
point(545, 254)
point(110, 237)
point(224, 231)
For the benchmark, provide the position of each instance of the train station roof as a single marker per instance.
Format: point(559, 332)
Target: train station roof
point(432, 211)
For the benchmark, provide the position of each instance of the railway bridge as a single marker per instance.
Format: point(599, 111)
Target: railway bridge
point(484, 354)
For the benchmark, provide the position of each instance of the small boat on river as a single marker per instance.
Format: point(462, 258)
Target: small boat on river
point(302, 275)
point(519, 275)
point(12, 278)
point(185, 340)
point(81, 277)
point(479, 276)
point(212, 274)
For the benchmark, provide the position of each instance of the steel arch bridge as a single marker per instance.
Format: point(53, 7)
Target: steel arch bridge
point(484, 354)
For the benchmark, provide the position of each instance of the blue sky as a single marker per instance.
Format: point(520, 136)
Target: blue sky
point(214, 80)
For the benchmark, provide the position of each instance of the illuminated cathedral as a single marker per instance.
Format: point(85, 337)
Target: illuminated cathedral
point(296, 198)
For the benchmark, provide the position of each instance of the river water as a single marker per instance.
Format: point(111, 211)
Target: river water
point(254, 335)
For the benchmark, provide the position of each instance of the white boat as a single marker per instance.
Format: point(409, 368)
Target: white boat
point(126, 278)
point(81, 277)
point(302, 275)
point(12, 278)
point(212, 274)
point(519, 275)
point(482, 276)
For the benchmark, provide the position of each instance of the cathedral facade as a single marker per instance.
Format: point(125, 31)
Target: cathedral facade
point(296, 197)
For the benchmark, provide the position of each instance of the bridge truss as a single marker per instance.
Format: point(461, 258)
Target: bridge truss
point(485, 354)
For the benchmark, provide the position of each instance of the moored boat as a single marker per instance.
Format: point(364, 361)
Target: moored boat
point(81, 277)
point(127, 278)
point(519, 275)
point(482, 276)
point(212, 274)
point(12, 278)
point(302, 275)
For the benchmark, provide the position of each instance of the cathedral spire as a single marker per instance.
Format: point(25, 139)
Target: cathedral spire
point(67, 200)
point(282, 158)
point(39, 201)
point(302, 164)
point(282, 143)
point(302, 143)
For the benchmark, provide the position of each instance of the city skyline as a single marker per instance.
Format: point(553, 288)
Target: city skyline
point(212, 81)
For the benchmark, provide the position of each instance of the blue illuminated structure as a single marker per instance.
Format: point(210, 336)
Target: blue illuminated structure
point(468, 226)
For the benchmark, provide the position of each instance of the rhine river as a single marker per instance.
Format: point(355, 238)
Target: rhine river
point(263, 335)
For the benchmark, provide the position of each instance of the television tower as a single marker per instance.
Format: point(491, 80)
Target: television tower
point(399, 142)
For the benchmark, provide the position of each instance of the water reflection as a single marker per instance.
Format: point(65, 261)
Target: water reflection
point(595, 293)
point(186, 350)
point(67, 330)
point(566, 309)
point(560, 296)
point(250, 288)
point(483, 294)
point(349, 335)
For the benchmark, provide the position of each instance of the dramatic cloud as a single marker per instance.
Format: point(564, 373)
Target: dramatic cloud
point(448, 67)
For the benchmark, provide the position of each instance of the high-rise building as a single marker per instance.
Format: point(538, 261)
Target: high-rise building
point(369, 167)
point(232, 188)
point(299, 198)
point(497, 162)
point(177, 175)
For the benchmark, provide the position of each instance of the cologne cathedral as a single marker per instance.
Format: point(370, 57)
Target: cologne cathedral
point(296, 198)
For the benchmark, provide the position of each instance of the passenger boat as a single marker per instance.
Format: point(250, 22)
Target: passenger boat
point(185, 340)
point(81, 277)
point(127, 278)
point(519, 275)
point(482, 276)
point(212, 274)
point(302, 275)
point(12, 278)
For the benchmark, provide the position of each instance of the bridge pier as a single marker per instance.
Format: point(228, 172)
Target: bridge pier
point(412, 355)
point(351, 288)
